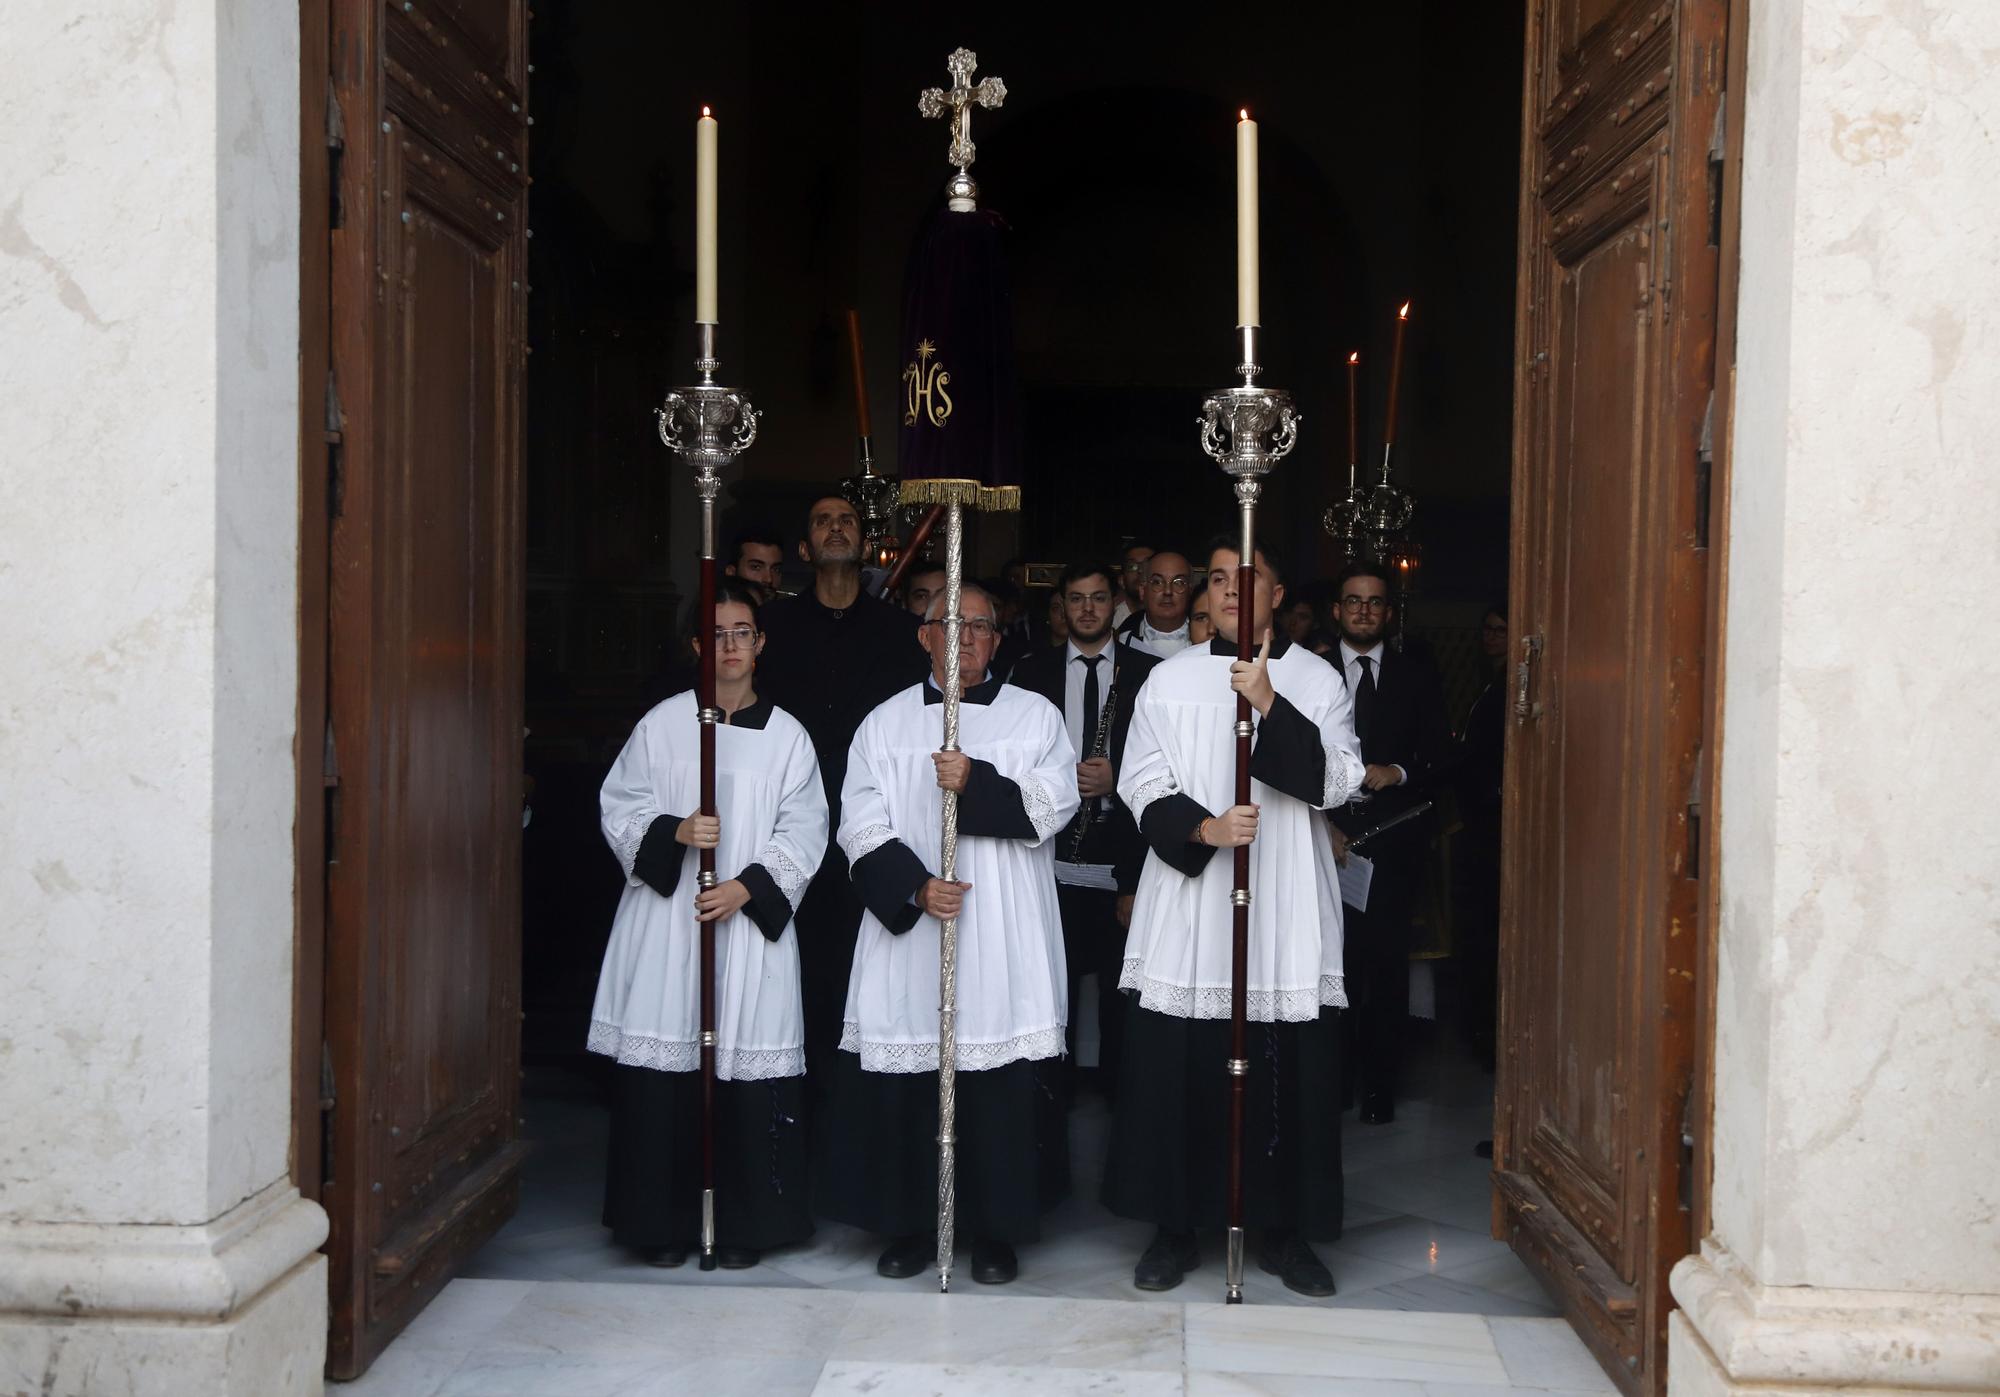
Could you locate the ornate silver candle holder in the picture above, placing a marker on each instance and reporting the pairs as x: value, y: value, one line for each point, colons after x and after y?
x: 708, y: 426
x: 1248, y: 429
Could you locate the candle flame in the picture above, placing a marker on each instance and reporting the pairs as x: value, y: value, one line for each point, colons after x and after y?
x: 1404, y: 313
x: 1355, y: 357
x: 1243, y: 114
x: 705, y: 111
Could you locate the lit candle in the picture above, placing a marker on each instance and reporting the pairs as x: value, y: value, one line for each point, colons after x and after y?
x: 1396, y: 373
x: 1246, y: 221
x: 704, y: 218
x: 1353, y: 414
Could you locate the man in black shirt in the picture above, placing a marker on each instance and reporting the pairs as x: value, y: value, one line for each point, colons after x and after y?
x: 831, y: 656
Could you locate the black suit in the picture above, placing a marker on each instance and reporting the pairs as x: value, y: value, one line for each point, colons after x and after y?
x: 1403, y: 725
x: 1093, y: 942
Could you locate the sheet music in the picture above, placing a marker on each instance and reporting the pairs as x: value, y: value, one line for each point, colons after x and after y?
x: 1355, y: 876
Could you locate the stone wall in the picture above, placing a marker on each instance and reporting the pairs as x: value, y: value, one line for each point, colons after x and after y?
x: 150, y: 1239
x: 1857, y: 1124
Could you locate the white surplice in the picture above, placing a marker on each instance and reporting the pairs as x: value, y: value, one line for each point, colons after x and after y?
x: 1182, y: 741
x: 773, y: 812
x: 1012, y: 985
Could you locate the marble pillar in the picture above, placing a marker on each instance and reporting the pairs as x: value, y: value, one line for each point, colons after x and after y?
x: 1856, y: 1218
x: 151, y: 1241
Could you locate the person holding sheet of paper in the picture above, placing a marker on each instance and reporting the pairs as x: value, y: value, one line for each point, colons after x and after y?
x: 1399, y: 718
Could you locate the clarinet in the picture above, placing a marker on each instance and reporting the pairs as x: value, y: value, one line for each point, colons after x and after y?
x: 1100, y: 745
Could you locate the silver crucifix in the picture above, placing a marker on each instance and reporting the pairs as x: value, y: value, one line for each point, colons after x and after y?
x: 957, y: 102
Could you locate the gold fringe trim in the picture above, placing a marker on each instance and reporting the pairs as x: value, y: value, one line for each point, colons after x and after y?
x: 994, y: 499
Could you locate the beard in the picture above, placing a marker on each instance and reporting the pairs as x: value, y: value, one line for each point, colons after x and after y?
x: 843, y: 552
x: 1077, y: 632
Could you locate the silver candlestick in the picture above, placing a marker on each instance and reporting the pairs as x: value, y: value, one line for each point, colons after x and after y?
x: 708, y: 426
x: 1248, y: 430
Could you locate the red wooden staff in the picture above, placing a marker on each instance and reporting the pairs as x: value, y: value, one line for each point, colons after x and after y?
x: 710, y: 715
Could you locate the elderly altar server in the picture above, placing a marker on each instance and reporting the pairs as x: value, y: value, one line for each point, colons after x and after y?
x: 1169, y: 1143
x: 1016, y: 781
x: 769, y: 835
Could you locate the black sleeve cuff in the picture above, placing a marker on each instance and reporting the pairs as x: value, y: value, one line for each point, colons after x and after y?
x: 1288, y: 756
x: 888, y: 879
x: 658, y: 862
x: 991, y: 805
x: 1169, y: 825
x: 768, y: 906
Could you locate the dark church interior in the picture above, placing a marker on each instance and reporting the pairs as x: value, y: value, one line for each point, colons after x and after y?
x: 1389, y: 173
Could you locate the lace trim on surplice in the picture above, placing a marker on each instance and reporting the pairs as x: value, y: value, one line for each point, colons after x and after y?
x: 1210, y: 1002
x: 673, y: 1055
x: 972, y: 1057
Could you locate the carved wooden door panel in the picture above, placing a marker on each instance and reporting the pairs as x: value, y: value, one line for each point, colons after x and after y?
x: 424, y: 615
x: 1616, y: 335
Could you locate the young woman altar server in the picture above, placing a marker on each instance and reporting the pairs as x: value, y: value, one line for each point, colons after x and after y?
x: 768, y: 838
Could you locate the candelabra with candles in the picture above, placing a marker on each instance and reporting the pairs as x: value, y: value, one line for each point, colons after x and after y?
x: 1372, y: 522
x: 874, y: 497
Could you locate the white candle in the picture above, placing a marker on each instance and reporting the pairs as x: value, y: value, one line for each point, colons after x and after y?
x: 1246, y: 222
x: 704, y: 219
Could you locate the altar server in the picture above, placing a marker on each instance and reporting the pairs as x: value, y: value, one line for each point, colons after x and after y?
x: 769, y: 835
x: 1169, y: 1145
x: 1015, y: 775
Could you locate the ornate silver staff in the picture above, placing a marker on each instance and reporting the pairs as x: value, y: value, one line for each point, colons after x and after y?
x: 1248, y: 430
x: 954, y: 495
x: 708, y: 426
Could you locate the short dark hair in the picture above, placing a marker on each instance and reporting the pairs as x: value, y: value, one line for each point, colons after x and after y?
x: 1081, y: 568
x: 1361, y: 567
x: 1234, y: 543
x: 917, y: 570
x: 759, y: 535
x: 727, y: 589
x: 825, y: 495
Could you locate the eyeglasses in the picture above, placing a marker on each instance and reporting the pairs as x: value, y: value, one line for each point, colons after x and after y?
x: 1094, y: 598
x: 1168, y: 584
x: 977, y: 626
x: 1490, y: 629
x: 742, y: 637
x: 1353, y: 603
x: 1135, y: 567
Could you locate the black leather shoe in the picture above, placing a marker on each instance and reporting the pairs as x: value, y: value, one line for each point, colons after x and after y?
x: 669, y: 1256
x: 993, y: 1263
x: 1289, y: 1259
x: 1167, y: 1261
x: 737, y: 1258
x: 906, y: 1257
x: 1377, y: 1108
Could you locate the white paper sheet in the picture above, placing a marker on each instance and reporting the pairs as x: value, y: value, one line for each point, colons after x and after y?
x: 1355, y: 876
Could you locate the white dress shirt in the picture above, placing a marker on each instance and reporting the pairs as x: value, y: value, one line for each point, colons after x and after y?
x: 1076, y: 667
x: 1350, y: 664
x: 1165, y: 644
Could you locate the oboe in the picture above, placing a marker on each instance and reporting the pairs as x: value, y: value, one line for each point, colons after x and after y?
x: 1100, y: 745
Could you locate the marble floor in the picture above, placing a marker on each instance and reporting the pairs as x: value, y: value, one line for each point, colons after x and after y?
x: 1428, y: 1303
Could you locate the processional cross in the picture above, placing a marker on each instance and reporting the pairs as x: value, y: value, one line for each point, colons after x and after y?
x: 958, y: 101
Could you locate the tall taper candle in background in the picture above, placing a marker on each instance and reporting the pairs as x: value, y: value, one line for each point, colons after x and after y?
x: 1396, y: 374
x: 704, y: 218
x: 1247, y: 311
x: 1353, y: 416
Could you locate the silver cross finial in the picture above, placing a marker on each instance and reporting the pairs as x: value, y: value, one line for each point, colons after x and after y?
x: 958, y: 100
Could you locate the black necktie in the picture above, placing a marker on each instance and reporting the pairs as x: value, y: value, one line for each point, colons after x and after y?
x: 1089, y: 703
x: 1364, y: 697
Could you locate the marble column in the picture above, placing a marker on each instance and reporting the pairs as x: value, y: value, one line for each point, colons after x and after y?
x: 1856, y: 1219
x: 151, y: 1242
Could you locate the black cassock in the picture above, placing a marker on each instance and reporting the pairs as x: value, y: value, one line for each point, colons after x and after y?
x: 830, y: 669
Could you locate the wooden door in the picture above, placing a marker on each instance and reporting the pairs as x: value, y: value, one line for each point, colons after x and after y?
x: 427, y: 274
x: 1616, y: 333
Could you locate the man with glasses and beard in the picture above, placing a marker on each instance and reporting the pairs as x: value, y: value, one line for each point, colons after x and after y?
x: 1092, y: 681
x: 1399, y: 719
x: 1132, y: 579
x: 831, y: 655
x: 1161, y: 628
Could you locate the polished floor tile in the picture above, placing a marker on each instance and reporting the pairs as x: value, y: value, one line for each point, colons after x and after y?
x: 961, y: 1329
x: 1342, y: 1343
x: 852, y: 1379
x: 1546, y: 1353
